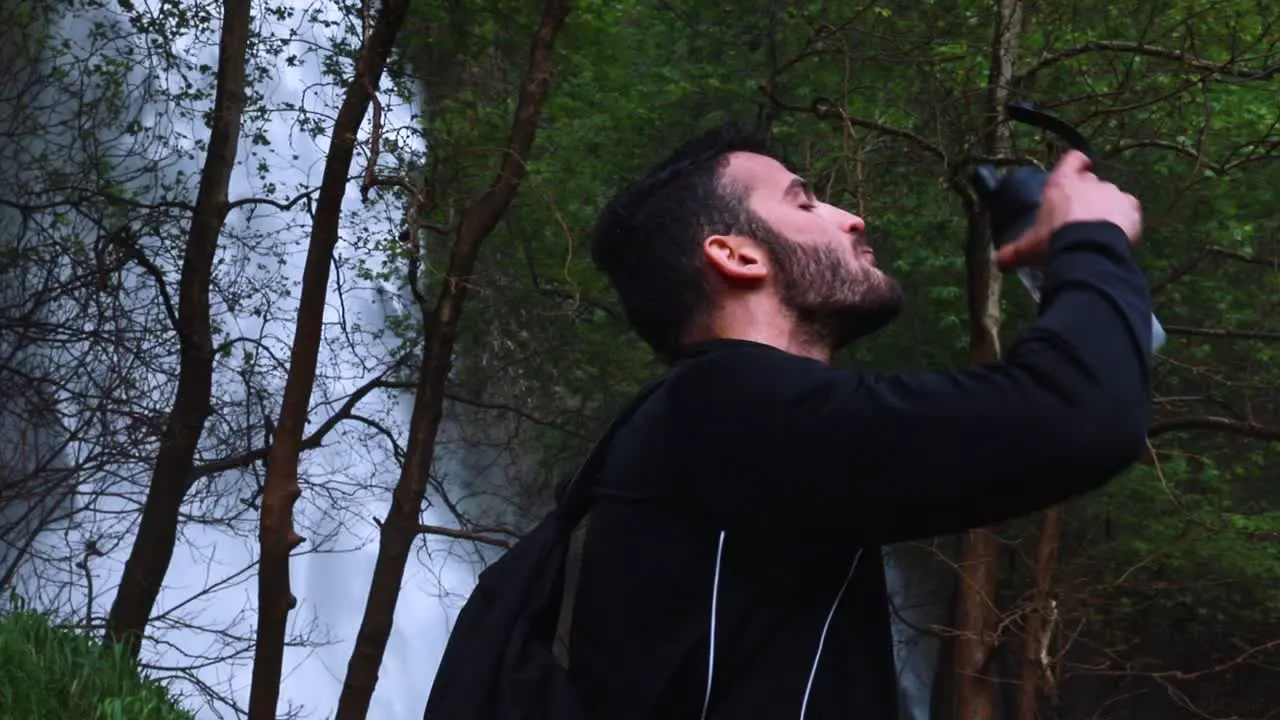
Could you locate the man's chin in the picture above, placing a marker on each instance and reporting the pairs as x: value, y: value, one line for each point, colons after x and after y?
x: 838, y: 328
x: 868, y: 321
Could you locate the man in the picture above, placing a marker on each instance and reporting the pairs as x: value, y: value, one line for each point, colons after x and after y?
x: 732, y: 566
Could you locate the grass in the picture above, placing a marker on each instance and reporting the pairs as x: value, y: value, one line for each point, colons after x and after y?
x: 49, y: 673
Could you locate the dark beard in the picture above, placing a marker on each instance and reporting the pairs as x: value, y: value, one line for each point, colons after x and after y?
x: 833, y: 303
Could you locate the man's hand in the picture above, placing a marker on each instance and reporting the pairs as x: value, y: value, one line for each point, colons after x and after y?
x: 1072, y: 194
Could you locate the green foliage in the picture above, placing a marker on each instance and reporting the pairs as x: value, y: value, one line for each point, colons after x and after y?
x: 1171, y: 95
x: 1196, y: 544
x: 47, y: 672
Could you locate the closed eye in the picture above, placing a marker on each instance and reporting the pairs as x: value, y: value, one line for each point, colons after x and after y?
x: 799, y: 188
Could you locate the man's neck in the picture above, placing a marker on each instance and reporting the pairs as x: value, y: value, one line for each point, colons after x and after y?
x: 760, y: 318
x: 789, y: 341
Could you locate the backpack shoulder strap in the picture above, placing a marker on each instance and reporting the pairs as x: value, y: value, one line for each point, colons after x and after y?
x: 573, y: 494
x: 573, y: 500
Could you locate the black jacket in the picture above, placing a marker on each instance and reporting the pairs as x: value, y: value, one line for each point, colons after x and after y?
x: 769, y: 481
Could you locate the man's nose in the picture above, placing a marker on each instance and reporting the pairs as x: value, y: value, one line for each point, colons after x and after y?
x: 852, y: 224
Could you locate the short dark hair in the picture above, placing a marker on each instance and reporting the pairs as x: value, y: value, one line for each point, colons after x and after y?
x: 648, y: 238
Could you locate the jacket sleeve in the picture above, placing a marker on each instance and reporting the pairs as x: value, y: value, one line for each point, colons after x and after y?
x: 782, y: 443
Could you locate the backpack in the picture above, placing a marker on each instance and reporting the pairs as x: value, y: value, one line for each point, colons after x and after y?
x: 501, y: 661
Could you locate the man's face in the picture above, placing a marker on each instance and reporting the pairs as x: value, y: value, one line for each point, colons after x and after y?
x: 824, y: 269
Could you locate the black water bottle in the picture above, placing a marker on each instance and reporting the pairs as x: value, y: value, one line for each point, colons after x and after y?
x: 1012, y: 200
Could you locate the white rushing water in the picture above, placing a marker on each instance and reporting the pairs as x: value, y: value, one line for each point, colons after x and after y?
x: 211, y: 582
x: 209, y: 593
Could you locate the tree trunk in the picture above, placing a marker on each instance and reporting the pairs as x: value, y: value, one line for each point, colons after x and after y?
x: 400, y: 528
x: 976, y: 615
x: 276, y: 534
x: 1039, y: 628
x: 152, y: 550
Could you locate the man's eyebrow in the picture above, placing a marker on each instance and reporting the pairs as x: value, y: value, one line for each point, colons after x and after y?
x: 801, y: 185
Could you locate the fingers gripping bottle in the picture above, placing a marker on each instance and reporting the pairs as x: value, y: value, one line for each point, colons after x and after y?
x: 1013, y: 200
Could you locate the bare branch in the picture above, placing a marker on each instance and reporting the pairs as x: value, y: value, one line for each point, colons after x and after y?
x: 287, y: 205
x: 480, y: 535
x: 1208, y: 250
x: 825, y: 109
x: 1243, y: 428
x: 1273, y: 263
x: 1187, y: 60
x: 1222, y: 333
x: 1197, y: 155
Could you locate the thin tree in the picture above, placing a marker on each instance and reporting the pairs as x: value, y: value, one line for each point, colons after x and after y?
x: 975, y: 613
x: 401, y: 526
x: 171, y: 479
x: 277, y: 535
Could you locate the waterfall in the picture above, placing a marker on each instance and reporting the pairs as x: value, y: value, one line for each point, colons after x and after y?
x: 152, y: 140
x: 52, y: 245
x: 921, y: 591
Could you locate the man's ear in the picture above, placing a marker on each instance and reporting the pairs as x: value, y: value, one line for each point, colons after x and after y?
x: 735, y: 257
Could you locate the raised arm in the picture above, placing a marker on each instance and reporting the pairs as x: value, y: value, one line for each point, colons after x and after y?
x: 786, y: 443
